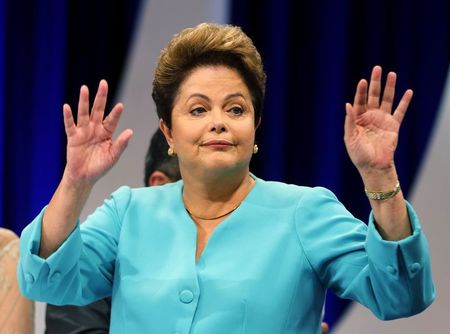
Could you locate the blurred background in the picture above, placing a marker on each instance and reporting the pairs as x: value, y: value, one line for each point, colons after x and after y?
x: 314, y: 54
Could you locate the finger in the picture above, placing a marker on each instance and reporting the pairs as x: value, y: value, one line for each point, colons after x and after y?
x: 374, y: 88
x: 349, y: 124
x: 389, y: 93
x: 121, y: 143
x: 69, y: 124
x: 112, y: 120
x: 360, y: 100
x: 402, y: 107
x: 83, y: 107
x: 98, y: 108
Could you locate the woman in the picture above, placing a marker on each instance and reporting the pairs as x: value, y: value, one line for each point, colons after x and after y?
x: 16, y: 312
x: 223, y: 251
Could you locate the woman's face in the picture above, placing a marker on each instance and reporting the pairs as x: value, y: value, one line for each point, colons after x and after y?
x: 212, y: 121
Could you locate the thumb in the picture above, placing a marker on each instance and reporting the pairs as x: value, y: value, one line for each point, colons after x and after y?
x: 121, y: 143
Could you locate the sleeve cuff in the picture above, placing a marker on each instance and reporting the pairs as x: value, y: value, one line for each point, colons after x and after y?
x: 57, y: 264
x: 386, y: 255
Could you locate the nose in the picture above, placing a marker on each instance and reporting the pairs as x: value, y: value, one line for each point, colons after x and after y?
x: 218, y: 127
x: 217, y: 122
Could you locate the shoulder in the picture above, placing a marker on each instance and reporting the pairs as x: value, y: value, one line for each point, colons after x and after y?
x: 156, y: 193
x: 126, y: 197
x: 290, y: 194
x: 6, y: 237
x: 9, y: 249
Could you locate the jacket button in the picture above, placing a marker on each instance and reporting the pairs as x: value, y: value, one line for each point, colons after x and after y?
x: 415, y: 267
x: 29, y: 278
x: 186, y: 296
x: 391, y: 270
x: 55, y: 277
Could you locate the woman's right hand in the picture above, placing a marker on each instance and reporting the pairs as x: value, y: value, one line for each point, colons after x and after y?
x: 91, y: 150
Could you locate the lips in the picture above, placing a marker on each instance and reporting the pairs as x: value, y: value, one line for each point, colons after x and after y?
x: 217, y: 143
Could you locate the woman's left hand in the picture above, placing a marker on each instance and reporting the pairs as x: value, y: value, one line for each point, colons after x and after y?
x: 371, y: 129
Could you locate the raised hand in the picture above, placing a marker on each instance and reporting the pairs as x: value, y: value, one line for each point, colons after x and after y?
x: 91, y: 150
x: 371, y: 129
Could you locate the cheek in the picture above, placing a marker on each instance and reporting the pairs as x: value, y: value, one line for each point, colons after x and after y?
x: 186, y: 136
x: 247, y: 134
x: 246, y: 142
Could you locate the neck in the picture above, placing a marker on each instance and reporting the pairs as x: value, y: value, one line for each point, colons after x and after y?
x: 215, y: 197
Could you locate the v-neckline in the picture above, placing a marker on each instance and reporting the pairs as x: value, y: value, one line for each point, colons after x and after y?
x: 223, y: 224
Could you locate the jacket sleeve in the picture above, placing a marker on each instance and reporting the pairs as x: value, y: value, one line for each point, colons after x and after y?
x: 392, y: 278
x: 81, y: 270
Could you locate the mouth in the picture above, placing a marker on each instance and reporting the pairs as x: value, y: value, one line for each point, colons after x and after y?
x: 217, y: 144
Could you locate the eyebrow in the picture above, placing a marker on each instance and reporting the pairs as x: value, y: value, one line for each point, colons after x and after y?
x: 203, y: 96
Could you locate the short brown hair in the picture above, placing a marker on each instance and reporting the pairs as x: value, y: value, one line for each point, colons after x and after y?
x: 202, y: 45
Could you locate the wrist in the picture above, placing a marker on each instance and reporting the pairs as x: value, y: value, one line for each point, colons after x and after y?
x: 383, y: 195
x: 74, y: 185
x: 379, y: 180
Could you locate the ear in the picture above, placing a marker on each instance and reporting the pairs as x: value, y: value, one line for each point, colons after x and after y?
x: 167, y: 132
x: 158, y: 178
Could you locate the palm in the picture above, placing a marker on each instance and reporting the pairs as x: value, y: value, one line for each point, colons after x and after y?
x: 91, y: 151
x: 371, y: 131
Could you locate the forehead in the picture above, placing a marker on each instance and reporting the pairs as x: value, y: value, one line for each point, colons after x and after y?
x: 214, y: 80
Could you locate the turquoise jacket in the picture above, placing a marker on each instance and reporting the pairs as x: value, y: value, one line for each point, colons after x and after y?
x: 264, y: 270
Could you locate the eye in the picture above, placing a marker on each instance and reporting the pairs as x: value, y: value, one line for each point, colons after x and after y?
x: 197, y: 111
x: 236, y: 111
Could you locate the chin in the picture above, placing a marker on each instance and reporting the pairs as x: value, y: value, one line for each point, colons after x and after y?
x: 225, y: 165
